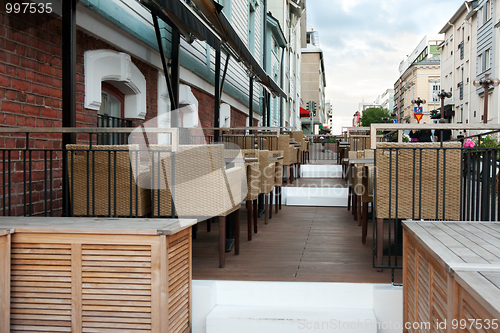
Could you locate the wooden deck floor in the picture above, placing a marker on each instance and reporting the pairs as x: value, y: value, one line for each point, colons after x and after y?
x: 306, y: 244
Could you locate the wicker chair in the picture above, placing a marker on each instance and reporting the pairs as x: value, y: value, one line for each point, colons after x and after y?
x: 430, y: 193
x: 251, y: 157
x: 242, y: 141
x: 203, y: 187
x: 279, y: 142
x: 102, y: 182
x: 267, y: 174
x: 277, y: 157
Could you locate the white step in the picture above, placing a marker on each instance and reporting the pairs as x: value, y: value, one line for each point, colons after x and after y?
x: 267, y: 319
x: 314, y: 196
x: 320, y: 171
x: 261, y: 307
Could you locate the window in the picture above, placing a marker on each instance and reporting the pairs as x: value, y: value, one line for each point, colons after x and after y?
x: 487, y: 8
x: 480, y: 63
x: 111, y: 114
x: 487, y: 63
x: 480, y: 17
x: 251, y: 26
x: 436, y: 87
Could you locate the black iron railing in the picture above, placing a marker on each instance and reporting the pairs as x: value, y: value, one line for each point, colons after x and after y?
x: 112, y: 122
x: 439, y: 183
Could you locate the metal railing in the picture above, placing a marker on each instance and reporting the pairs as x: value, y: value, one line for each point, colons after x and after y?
x: 112, y: 122
x: 39, y: 175
x: 435, y: 182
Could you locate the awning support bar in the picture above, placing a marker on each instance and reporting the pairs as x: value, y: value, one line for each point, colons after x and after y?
x: 173, y: 101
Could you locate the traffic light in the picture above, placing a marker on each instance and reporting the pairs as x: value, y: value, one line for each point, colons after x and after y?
x: 433, y: 113
x: 314, y: 108
x: 307, y: 106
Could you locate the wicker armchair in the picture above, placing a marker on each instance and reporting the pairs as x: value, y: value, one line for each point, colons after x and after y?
x: 102, y: 182
x: 203, y: 187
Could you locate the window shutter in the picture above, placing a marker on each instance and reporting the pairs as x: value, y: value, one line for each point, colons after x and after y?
x: 485, y: 12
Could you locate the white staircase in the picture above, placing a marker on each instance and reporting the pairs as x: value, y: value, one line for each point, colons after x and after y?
x: 320, y: 171
x: 289, y: 307
x: 317, y: 196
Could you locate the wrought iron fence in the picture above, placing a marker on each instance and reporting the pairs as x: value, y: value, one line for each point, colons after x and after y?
x: 433, y: 182
x: 42, y: 178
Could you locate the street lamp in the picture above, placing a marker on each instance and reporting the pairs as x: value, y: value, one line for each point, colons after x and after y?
x: 486, y: 83
x: 443, y: 94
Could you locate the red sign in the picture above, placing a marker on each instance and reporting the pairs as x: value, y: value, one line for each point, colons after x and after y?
x: 418, y: 116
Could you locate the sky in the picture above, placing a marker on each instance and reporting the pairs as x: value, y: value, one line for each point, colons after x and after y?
x: 363, y: 42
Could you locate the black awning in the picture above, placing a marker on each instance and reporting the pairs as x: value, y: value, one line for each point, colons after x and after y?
x: 176, y: 13
x: 233, y: 41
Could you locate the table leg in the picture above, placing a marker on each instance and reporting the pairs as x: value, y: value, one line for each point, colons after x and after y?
x: 249, y: 219
x: 237, y: 232
x: 359, y: 209
x: 209, y: 225
x: 266, y: 207
x: 271, y: 205
x: 355, y: 206
x: 281, y: 189
x: 349, y: 199
x: 364, y: 224
x: 222, y: 241
x: 380, y: 242
x: 276, y: 199
x: 255, y: 215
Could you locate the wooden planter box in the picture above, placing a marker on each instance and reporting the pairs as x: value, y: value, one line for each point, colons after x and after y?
x: 99, y: 275
x: 451, y: 276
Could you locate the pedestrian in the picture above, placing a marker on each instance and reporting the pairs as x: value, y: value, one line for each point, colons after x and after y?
x: 413, y: 136
x: 425, y: 135
x: 442, y: 135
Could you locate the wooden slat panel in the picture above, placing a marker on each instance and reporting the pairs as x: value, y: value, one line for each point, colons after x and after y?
x: 179, y: 284
x: 41, y: 288
x: 116, y: 288
x: 5, y: 253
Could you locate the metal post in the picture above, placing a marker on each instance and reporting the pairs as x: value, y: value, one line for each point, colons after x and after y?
x: 217, y: 94
x: 175, y: 68
x: 485, y: 116
x: 442, y: 105
x: 68, y: 87
x: 250, y: 102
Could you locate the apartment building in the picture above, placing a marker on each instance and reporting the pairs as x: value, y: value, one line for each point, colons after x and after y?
x: 313, y: 80
x: 419, y: 76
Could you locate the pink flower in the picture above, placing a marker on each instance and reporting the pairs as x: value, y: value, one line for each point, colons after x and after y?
x: 469, y: 144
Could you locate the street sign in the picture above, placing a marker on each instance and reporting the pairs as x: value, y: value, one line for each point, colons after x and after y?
x: 395, y: 121
x: 418, y: 109
x: 418, y: 116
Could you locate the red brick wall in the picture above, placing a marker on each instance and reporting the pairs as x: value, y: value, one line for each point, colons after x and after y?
x: 31, y: 95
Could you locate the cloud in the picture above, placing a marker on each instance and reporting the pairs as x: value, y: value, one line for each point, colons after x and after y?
x: 364, y: 41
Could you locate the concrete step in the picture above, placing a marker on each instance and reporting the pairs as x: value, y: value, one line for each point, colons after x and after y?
x: 320, y: 171
x: 284, y: 307
x: 314, y: 196
x: 267, y: 319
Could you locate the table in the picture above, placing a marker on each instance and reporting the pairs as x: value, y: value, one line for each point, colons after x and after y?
x: 78, y: 274
x: 451, y: 271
